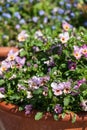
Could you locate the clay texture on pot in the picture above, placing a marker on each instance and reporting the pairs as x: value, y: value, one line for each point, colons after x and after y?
x: 10, y: 119
x: 5, y: 50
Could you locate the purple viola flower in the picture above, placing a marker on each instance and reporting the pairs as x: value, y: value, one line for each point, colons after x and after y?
x: 20, y: 61
x: 37, y: 80
x: 28, y: 109
x: 67, y: 87
x: 71, y: 65
x: 2, y: 90
x: 58, y: 109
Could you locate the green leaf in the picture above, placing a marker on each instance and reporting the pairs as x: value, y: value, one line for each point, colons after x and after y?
x: 74, y: 118
x: 38, y: 116
x: 23, y: 53
x: 2, y: 82
x: 56, y: 117
x: 66, y: 101
x: 63, y: 115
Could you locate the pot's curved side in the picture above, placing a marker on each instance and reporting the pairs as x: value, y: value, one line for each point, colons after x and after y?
x: 5, y: 50
x: 10, y: 119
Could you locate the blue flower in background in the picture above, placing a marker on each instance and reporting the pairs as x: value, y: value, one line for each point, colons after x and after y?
x: 85, y: 23
x: 0, y: 8
x: 61, y: 11
x: 22, y: 21
x: 6, y: 15
x: 61, y: 3
x: 41, y: 12
x: 31, y: 1
x: 68, y: 5
x: 17, y: 15
x: 72, y: 14
x: 35, y: 19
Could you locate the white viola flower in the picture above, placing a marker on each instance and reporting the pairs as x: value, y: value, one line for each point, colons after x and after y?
x: 64, y: 37
x: 29, y: 95
x: 57, y: 88
x: 2, y: 96
x: 4, y: 66
x: 84, y: 105
x: 22, y: 36
x: 77, y: 52
x: 12, y: 55
x: 38, y: 34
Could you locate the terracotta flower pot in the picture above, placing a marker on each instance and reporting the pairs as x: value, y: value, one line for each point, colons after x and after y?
x: 10, y: 119
x: 4, y: 51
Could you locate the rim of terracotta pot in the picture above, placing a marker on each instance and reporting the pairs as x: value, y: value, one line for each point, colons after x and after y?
x: 13, y: 109
x: 5, y: 50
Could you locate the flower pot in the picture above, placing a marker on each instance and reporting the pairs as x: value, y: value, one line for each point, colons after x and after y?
x: 11, y: 119
x: 4, y: 51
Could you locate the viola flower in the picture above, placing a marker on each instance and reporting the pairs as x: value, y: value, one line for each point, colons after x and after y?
x: 66, y: 26
x: 38, y: 34
x: 67, y: 87
x: 29, y: 94
x: 2, y: 90
x: 20, y: 61
x: 77, y: 52
x: 80, y: 82
x: 84, y: 50
x: 28, y: 109
x: 2, y: 95
x: 12, y: 55
x: 57, y: 88
x: 58, y: 109
x: 84, y: 105
x: 64, y: 37
x: 45, y: 91
x: 22, y: 36
x: 71, y: 65
x: 4, y: 66
x: 35, y: 82
x: 21, y: 87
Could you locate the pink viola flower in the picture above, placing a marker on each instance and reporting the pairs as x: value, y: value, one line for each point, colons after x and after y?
x: 66, y: 26
x: 12, y: 55
x: 77, y: 52
x: 84, y: 50
x: 80, y: 82
x: 64, y: 37
x: 57, y: 88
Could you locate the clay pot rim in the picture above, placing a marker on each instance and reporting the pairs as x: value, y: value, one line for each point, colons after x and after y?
x: 13, y: 109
